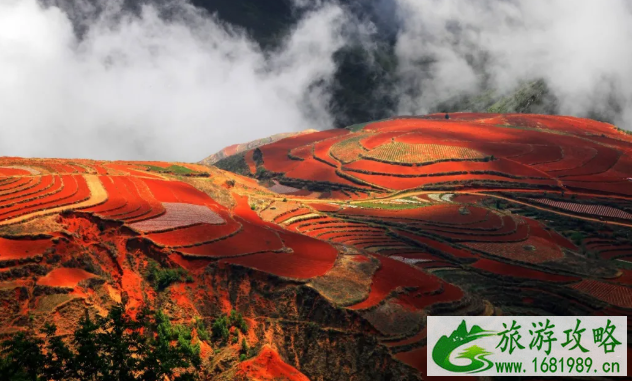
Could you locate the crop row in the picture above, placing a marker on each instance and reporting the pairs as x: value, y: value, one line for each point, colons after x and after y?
x: 613, y: 294
x: 349, y: 149
x: 178, y: 215
x: 532, y: 250
x: 596, y: 210
x: 70, y: 190
x: 397, y: 152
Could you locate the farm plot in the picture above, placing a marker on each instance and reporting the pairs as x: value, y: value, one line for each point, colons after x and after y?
x: 532, y: 250
x: 74, y: 189
x: 616, y: 295
x: 393, y: 274
x: 573, y: 156
x: 595, y: 210
x: 195, y: 234
x: 349, y: 149
x: 401, y: 153
x: 35, y: 190
x: 301, y: 153
x: 16, y: 249
x: 179, y: 215
x: 16, y: 184
x: 316, y: 171
x: 275, y: 155
x: 308, y: 258
x: 605, y: 159
x: 64, y: 277
x: 506, y: 269
x: 16, y: 170
x: 436, y: 245
x: 250, y: 239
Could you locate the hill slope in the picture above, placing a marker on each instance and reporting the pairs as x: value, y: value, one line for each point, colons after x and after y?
x: 350, y: 238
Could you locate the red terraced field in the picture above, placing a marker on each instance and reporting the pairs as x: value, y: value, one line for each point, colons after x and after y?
x: 349, y: 149
x: 376, y: 140
x: 41, y: 184
x: 12, y: 249
x: 507, y: 269
x: 436, y: 214
x: 325, y: 207
x: 532, y: 250
x: 314, y: 169
x: 596, y: 210
x: 605, y: 159
x: 309, y: 258
x: 275, y: 155
x: 74, y: 190
x: 401, y: 153
x: 620, y: 296
x: 382, y: 258
x: 16, y: 185
x: 251, y: 238
x: 442, y: 247
x: 301, y: 153
x: 64, y: 277
x: 393, y: 274
x: 291, y: 214
x: 6, y: 171
x: 189, y: 235
x: 573, y: 156
x: 116, y: 191
x: 541, y: 154
x: 179, y: 215
x: 129, y: 170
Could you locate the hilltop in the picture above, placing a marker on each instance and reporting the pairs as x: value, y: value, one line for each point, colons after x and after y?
x: 335, y: 245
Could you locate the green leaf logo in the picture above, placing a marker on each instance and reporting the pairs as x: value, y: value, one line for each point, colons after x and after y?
x: 459, y: 337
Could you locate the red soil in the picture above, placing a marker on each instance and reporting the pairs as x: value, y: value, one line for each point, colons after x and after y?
x: 128, y: 170
x: 520, y: 272
x: 541, y: 154
x: 74, y: 190
x: 252, y: 166
x: 325, y: 207
x: 19, y: 249
x: 393, y: 274
x: 616, y: 295
x: 302, y: 152
x: 251, y: 238
x: 39, y: 187
x: 275, y: 155
x: 314, y: 170
x: 377, y: 140
x: 310, y: 258
x: 443, y: 247
x: 195, y: 234
x: 64, y: 277
x: 268, y: 366
x: 13, y: 172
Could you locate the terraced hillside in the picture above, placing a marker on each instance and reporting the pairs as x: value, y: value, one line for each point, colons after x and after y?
x: 337, y: 247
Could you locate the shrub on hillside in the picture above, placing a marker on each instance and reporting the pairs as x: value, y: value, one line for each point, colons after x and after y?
x: 115, y: 347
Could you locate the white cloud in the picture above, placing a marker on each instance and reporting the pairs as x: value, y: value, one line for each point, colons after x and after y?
x: 580, y: 47
x: 142, y: 87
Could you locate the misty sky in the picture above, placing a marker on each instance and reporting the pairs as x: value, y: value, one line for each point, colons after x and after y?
x: 142, y: 87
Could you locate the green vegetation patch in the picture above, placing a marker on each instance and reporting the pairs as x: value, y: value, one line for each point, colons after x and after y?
x: 173, y: 169
x: 161, y: 278
x: 390, y: 205
x: 115, y: 347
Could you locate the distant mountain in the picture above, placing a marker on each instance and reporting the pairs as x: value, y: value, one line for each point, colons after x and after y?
x: 238, y: 148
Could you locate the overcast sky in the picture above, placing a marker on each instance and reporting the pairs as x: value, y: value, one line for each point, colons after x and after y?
x: 141, y: 87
